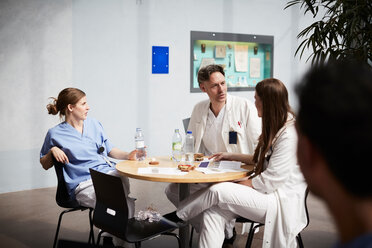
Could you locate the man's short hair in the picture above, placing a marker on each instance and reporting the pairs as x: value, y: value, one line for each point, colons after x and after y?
x: 205, y: 72
x: 335, y: 113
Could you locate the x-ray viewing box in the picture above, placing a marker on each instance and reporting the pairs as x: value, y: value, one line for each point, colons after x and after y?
x: 247, y: 59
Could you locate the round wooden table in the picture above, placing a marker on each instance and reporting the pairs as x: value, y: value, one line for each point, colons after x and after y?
x: 130, y: 169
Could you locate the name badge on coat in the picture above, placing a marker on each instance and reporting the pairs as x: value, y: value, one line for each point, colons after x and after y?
x: 233, y: 137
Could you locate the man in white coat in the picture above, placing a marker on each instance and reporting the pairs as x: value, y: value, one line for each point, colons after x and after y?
x: 223, y: 123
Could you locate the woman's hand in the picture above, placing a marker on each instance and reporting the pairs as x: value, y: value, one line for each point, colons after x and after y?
x: 119, y: 154
x: 244, y: 158
x: 132, y: 155
x: 59, y: 155
x: 139, y: 153
x: 221, y: 156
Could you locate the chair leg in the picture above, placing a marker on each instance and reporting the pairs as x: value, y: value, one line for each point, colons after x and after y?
x: 191, y: 235
x: 252, y: 230
x: 176, y: 236
x: 137, y: 244
x: 99, y: 237
x: 57, y: 231
x: 299, y: 240
x: 59, y: 224
x: 91, y: 233
x: 250, y: 236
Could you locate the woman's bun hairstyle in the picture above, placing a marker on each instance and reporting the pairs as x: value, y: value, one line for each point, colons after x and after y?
x: 65, y: 97
x: 52, y: 107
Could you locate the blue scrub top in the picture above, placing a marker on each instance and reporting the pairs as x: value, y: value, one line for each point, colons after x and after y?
x: 81, y: 150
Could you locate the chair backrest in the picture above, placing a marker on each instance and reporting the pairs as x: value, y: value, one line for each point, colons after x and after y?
x: 306, y: 209
x: 63, y: 198
x: 186, y: 124
x: 111, y: 211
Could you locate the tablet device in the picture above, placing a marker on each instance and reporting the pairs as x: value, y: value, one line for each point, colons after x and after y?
x: 204, y: 164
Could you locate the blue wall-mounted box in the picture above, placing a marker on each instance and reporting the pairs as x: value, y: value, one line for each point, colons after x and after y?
x: 160, y: 60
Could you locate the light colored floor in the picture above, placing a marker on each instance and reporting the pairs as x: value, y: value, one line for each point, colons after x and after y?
x: 29, y: 219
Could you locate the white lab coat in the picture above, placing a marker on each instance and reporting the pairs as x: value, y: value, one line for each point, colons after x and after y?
x: 240, y: 116
x: 281, y: 181
x: 283, y: 178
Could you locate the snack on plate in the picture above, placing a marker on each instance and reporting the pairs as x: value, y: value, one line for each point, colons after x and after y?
x: 186, y: 167
x: 198, y: 156
x: 154, y: 162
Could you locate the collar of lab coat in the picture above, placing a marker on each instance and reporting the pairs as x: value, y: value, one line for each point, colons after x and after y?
x: 228, y: 105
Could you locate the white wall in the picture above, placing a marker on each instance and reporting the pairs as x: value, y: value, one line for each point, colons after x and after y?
x: 35, y: 63
x: 104, y: 48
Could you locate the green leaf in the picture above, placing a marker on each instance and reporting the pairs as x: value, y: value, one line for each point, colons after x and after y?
x: 291, y: 3
x: 345, y: 29
x: 310, y: 6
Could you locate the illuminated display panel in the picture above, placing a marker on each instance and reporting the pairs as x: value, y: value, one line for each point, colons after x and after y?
x: 247, y: 59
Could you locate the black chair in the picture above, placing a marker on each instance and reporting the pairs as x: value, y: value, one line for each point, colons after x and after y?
x: 111, y: 213
x: 64, y: 200
x: 255, y: 225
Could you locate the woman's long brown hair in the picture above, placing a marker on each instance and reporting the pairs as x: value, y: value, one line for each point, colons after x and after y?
x: 275, y: 109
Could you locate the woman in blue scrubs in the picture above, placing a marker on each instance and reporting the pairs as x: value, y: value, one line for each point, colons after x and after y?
x: 80, y: 143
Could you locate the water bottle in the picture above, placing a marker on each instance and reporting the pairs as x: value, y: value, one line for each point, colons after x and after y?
x: 189, y: 148
x: 140, y: 144
x: 177, y: 146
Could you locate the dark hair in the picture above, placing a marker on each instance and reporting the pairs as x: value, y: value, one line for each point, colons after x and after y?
x: 205, y: 72
x: 275, y: 109
x: 65, y: 97
x: 335, y: 113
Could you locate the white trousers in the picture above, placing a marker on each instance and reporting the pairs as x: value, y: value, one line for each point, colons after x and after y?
x: 218, y: 205
x: 172, y: 193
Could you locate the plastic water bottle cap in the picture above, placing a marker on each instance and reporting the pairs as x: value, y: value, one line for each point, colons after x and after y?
x: 189, y: 132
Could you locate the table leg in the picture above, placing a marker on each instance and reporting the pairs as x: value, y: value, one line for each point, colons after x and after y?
x: 184, y: 191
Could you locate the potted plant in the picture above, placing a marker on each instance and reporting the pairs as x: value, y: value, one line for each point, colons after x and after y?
x: 345, y: 31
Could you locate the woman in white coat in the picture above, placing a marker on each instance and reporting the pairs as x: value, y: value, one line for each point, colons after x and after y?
x: 272, y: 194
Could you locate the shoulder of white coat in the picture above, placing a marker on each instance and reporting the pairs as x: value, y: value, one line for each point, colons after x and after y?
x: 202, y: 105
x: 200, y: 109
x: 288, y: 132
